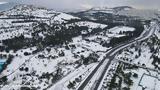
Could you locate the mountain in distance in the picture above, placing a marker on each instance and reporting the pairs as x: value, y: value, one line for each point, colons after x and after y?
x: 44, y: 49
x: 120, y: 10
x: 7, y: 5
x: 123, y: 8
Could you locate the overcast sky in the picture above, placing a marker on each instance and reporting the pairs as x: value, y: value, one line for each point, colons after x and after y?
x: 85, y: 4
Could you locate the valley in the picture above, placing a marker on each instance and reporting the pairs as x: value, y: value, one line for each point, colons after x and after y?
x: 43, y: 49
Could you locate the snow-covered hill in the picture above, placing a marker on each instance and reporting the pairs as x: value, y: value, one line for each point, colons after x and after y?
x: 145, y: 14
x: 122, y: 10
x: 6, y: 5
x: 22, y: 18
x: 42, y: 48
x: 29, y: 32
x: 38, y: 12
x: 109, y: 10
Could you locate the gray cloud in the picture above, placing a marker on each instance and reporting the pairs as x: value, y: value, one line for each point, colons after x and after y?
x: 83, y: 4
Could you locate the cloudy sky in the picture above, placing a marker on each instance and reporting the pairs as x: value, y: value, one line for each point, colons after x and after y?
x: 85, y: 4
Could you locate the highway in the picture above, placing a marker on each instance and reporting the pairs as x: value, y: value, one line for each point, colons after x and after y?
x: 110, y: 55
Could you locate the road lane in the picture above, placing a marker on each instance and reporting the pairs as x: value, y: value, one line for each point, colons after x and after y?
x: 110, y: 55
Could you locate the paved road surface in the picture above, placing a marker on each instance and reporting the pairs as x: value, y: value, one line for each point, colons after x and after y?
x: 111, y: 54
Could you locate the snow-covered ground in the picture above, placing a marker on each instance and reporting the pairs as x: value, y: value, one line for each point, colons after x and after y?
x: 91, y: 24
x: 150, y: 82
x: 83, y: 71
x: 145, y: 75
x: 62, y: 17
x: 26, y: 69
x: 54, y: 67
x: 118, y: 29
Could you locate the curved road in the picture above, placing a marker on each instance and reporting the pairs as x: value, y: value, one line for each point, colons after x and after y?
x: 111, y: 54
